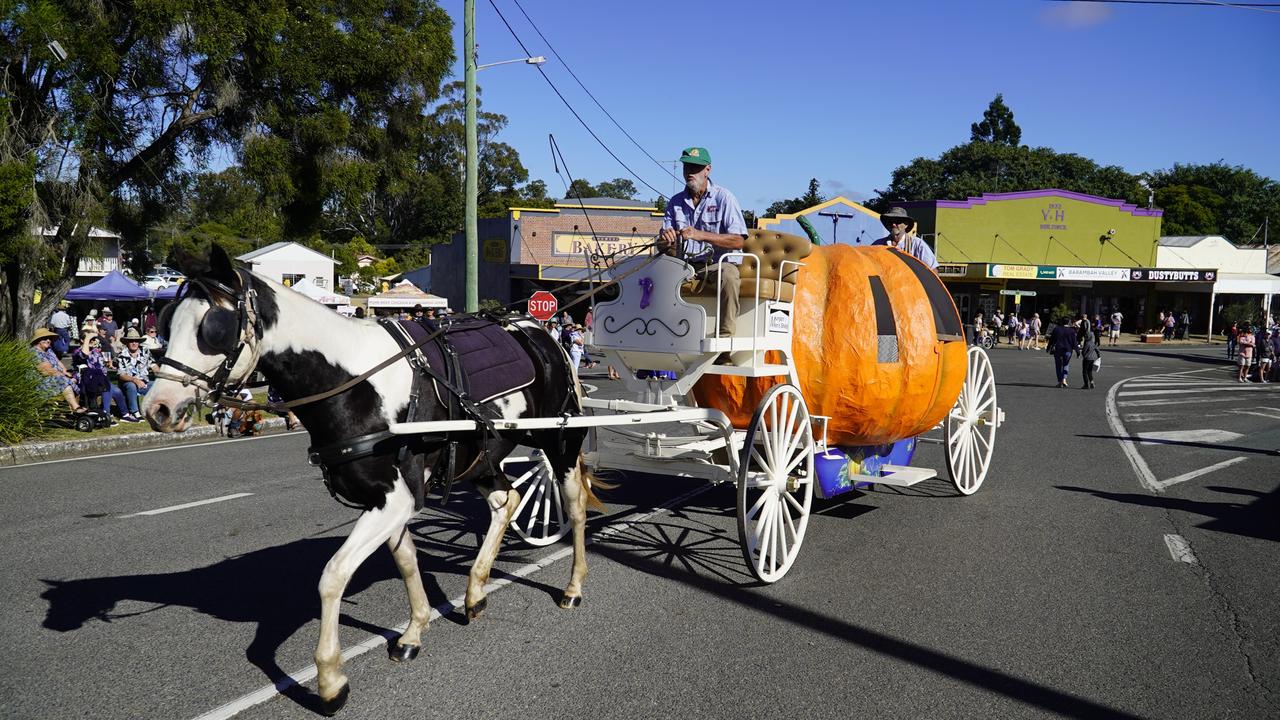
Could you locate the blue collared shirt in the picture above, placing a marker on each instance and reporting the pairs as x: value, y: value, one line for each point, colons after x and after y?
x: 916, y: 247
x: 719, y: 212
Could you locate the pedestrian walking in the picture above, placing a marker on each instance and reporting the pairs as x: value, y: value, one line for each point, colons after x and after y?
x: 1035, y: 329
x: 1266, y: 355
x: 1232, y: 333
x: 1089, y: 355
x: 1117, y: 318
x: 1062, y: 345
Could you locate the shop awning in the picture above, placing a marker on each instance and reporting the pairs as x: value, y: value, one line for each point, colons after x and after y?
x: 1247, y: 284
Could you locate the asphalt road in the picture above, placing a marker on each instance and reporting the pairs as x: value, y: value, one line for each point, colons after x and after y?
x: 1056, y: 590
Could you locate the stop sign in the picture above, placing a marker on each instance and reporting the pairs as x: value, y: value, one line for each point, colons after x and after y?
x: 543, y: 305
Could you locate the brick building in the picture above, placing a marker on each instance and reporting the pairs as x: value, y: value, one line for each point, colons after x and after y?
x: 542, y: 249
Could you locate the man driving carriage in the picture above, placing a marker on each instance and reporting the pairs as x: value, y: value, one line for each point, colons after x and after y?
x: 902, y: 235
x: 708, y: 218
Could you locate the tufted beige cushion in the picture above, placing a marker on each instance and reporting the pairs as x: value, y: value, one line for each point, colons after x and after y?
x: 772, y: 247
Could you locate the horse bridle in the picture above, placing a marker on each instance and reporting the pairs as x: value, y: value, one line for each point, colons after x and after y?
x: 247, y: 324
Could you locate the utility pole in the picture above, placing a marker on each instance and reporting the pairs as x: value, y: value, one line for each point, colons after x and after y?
x: 472, y: 190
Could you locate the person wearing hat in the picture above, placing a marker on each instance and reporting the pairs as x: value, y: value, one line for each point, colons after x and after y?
x: 134, y: 365
x: 902, y: 235
x: 57, y: 379
x: 708, y: 219
x: 61, y: 323
x: 108, y: 321
x: 92, y: 367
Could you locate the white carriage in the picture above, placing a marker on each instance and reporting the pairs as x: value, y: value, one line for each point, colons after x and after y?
x: 670, y: 337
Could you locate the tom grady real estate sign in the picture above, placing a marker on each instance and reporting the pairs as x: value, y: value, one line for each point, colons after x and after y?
x: 1099, y: 274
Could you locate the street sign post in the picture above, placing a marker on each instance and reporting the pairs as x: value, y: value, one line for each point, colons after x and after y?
x: 543, y: 305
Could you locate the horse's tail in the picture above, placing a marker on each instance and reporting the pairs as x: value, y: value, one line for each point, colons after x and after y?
x: 590, y: 481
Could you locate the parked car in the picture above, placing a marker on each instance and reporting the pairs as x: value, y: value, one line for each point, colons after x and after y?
x: 161, y: 279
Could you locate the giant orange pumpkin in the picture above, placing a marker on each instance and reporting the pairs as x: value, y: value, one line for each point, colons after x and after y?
x: 877, y: 343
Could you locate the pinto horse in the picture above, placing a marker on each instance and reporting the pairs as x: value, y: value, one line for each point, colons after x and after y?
x: 230, y: 322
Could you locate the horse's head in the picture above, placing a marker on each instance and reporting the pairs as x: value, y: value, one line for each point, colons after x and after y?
x: 213, y: 328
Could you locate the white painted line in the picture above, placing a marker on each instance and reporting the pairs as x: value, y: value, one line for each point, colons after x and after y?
x: 1205, y: 436
x: 1183, y: 384
x: 1197, y: 473
x: 1197, y: 401
x: 179, y: 446
x: 1180, y: 549
x: 308, y: 673
x: 1266, y: 412
x: 1238, y: 388
x: 1140, y: 468
x: 184, y: 506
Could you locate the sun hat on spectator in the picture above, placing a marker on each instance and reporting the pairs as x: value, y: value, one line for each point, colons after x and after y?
x: 132, y: 335
x: 41, y: 334
x: 106, y: 310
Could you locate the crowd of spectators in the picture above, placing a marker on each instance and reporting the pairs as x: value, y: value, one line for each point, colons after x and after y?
x: 98, y: 365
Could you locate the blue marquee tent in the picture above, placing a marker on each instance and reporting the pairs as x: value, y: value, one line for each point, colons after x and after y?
x: 115, y: 286
x: 168, y: 293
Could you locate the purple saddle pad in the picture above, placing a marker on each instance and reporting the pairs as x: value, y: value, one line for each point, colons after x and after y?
x: 492, y: 359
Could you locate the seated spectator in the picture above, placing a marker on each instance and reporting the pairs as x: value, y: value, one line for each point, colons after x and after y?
x: 107, y: 321
x: 134, y: 365
x: 91, y: 368
x: 57, y: 380
x: 151, y: 342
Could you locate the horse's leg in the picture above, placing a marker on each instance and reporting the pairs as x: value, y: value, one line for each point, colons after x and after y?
x: 503, y: 500
x: 373, y: 528
x: 406, y: 555
x: 574, y: 489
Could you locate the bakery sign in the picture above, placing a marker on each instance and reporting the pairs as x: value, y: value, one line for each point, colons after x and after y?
x: 1172, y: 275
x: 572, y: 243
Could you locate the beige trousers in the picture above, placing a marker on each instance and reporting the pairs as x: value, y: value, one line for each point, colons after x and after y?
x: 730, y: 283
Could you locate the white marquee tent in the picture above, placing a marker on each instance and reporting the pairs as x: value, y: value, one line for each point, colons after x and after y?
x: 319, y: 294
x: 405, y: 295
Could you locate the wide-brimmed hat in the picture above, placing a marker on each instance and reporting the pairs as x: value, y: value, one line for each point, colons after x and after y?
x: 106, y: 310
x: 132, y: 335
x: 41, y: 334
x: 896, y: 213
x: 695, y: 156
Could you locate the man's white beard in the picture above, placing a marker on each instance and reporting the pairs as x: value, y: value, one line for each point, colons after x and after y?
x: 694, y: 187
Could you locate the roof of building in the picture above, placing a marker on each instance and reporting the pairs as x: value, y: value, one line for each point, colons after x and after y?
x: 273, y: 247
x: 1182, y: 240
x: 606, y: 201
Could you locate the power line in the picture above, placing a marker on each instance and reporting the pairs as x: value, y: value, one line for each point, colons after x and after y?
x: 588, y: 92
x: 593, y: 134
x: 1260, y: 7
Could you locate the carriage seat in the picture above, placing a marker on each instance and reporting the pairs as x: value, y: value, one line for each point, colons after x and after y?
x: 772, y: 247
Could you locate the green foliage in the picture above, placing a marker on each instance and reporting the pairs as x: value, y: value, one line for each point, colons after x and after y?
x: 811, y: 197
x: 492, y: 306
x: 620, y: 188
x: 23, y: 408
x: 1216, y: 199
x: 1245, y: 313
x: 997, y: 125
x: 981, y: 167
x: 17, y: 194
x: 1061, y: 314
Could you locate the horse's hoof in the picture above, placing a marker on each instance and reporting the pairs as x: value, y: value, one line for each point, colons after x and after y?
x: 570, y: 601
x: 402, y: 653
x: 474, y: 611
x: 331, y: 707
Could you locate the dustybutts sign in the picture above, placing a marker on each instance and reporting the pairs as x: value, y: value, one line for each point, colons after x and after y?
x: 1172, y: 275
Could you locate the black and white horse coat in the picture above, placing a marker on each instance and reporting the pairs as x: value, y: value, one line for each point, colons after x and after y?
x: 303, y: 348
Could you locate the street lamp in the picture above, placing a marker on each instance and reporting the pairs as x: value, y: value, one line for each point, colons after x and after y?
x: 471, y: 295
x: 538, y: 60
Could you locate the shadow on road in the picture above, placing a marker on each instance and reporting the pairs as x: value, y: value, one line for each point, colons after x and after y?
x: 1256, y: 519
x: 657, y: 561
x: 1185, y: 354
x: 1182, y: 443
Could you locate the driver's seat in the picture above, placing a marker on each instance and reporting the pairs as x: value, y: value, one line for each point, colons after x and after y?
x: 772, y: 247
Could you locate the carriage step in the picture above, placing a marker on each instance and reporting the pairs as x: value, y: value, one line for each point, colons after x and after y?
x: 903, y: 476
x: 763, y: 370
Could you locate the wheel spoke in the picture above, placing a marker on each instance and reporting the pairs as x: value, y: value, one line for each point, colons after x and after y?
x: 755, y: 508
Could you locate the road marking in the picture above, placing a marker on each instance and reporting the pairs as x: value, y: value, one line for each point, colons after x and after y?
x: 1149, y: 403
x: 308, y: 673
x: 1180, y: 549
x: 1237, y: 388
x: 1140, y: 468
x: 1266, y: 412
x: 179, y: 446
x: 1196, y: 384
x: 184, y: 506
x: 1205, y: 436
x: 1197, y: 473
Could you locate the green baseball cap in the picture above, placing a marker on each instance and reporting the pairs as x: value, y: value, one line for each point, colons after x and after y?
x: 696, y: 156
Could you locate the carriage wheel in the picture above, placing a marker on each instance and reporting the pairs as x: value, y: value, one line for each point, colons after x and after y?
x: 970, y: 432
x: 775, y: 483
x: 539, y: 518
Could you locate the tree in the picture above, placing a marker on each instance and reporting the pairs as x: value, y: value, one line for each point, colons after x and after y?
x: 810, y: 198
x: 1215, y: 199
x: 114, y: 113
x: 997, y: 125
x: 981, y: 167
x: 620, y: 188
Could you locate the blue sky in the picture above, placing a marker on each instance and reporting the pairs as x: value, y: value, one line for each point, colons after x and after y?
x: 847, y: 91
